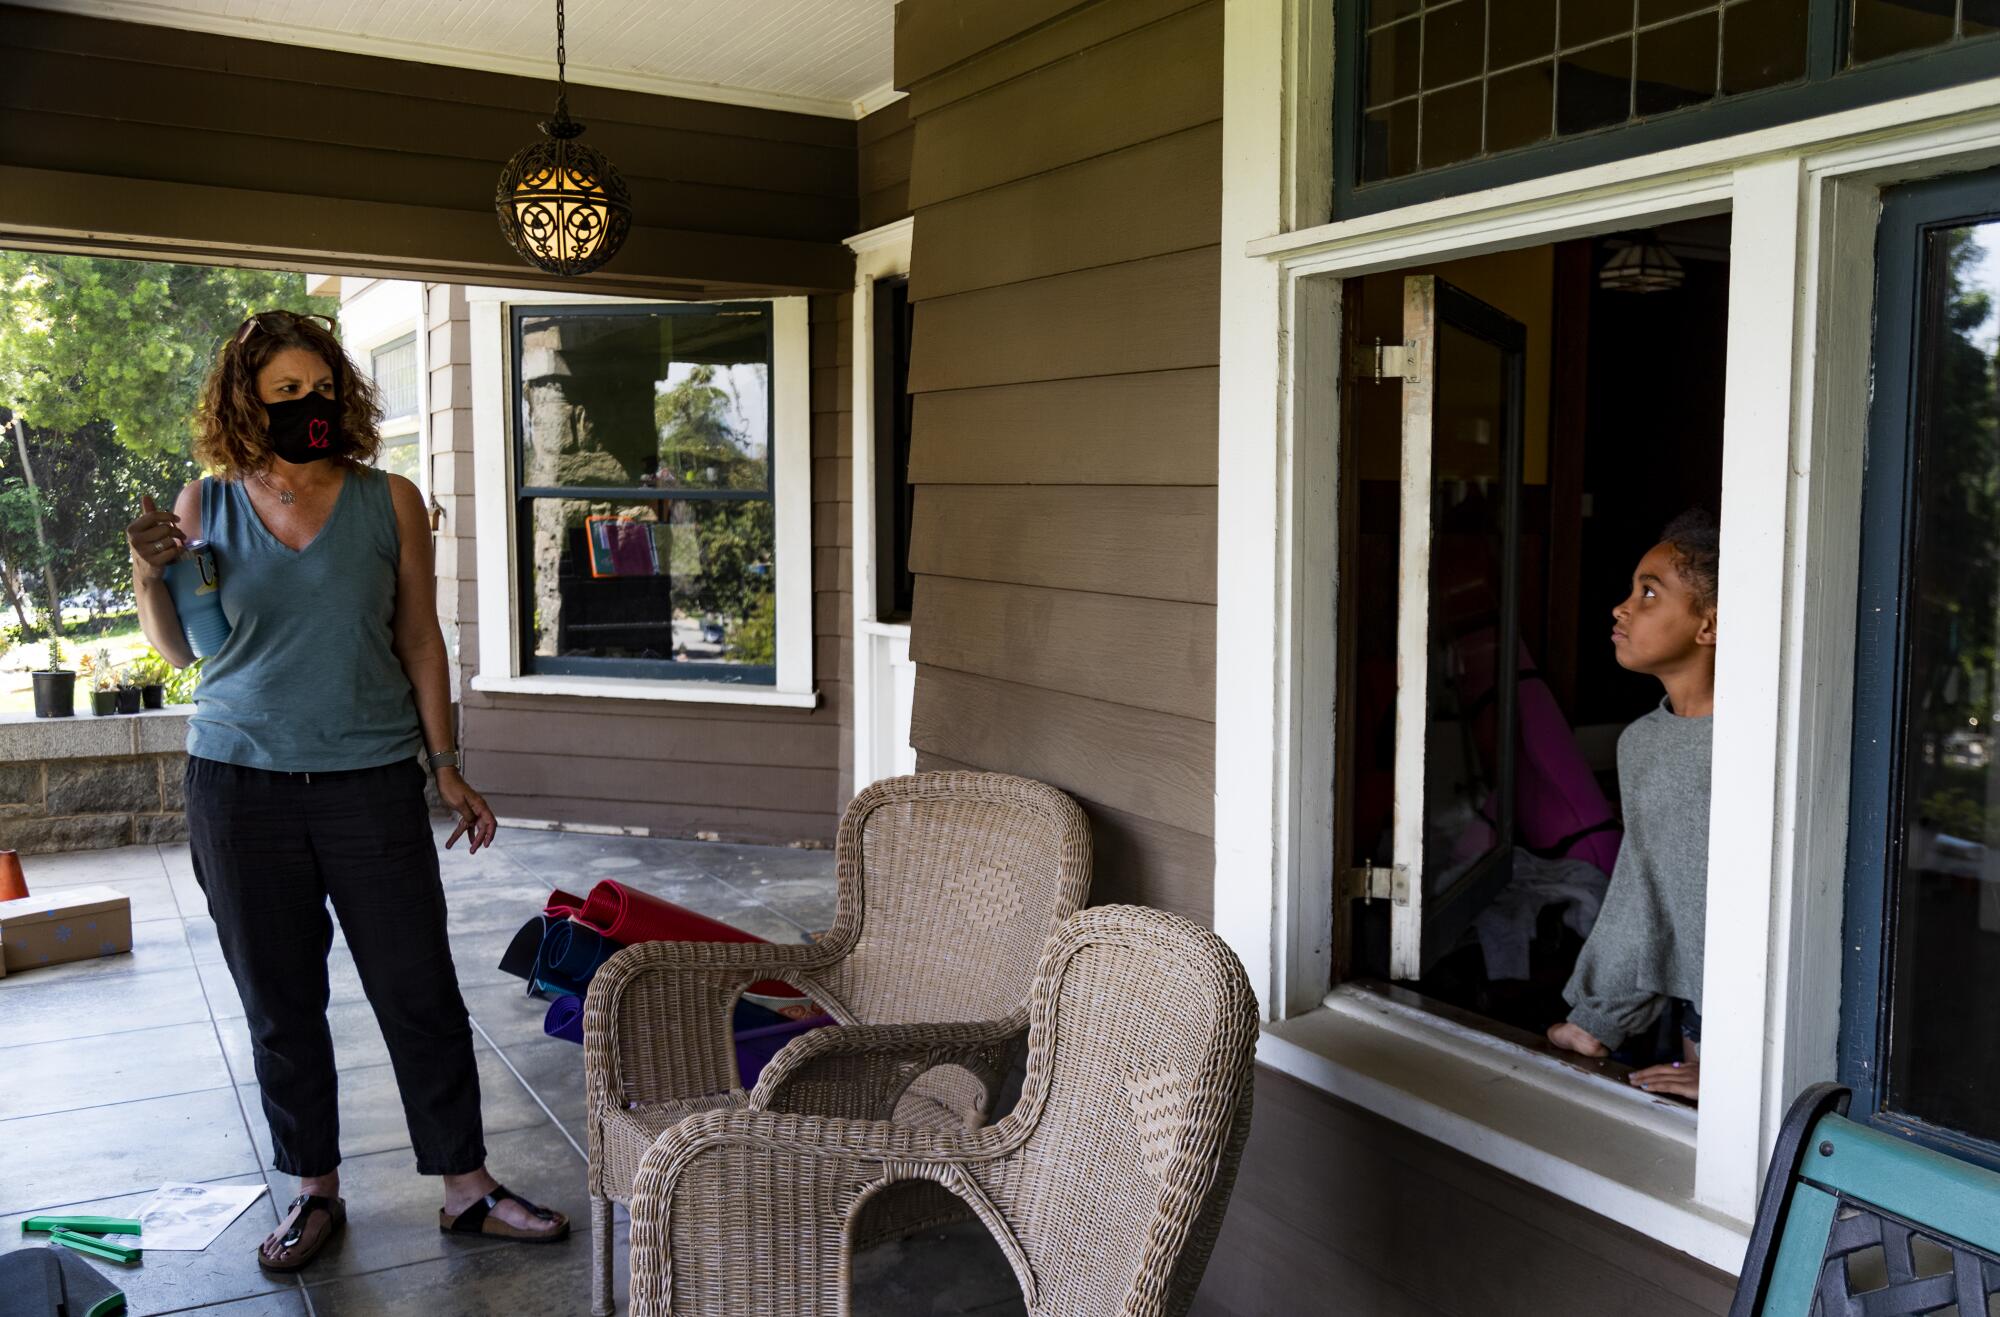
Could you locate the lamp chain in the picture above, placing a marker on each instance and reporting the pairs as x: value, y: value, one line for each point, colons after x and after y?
x: 562, y: 56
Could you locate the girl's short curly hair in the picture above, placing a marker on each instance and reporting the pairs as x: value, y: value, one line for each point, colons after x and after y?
x: 230, y: 422
x: 1696, y: 540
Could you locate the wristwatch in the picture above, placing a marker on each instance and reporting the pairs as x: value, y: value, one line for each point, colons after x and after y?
x: 442, y: 759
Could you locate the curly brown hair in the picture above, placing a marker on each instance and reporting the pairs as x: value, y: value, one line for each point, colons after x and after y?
x: 230, y: 423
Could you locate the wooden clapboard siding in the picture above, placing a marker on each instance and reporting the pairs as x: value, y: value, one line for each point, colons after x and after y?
x: 529, y: 771
x: 1158, y: 79
x: 1066, y: 177
x: 1154, y: 765
x: 833, y: 520
x: 1159, y: 313
x: 882, y: 146
x: 166, y: 142
x: 1145, y: 429
x: 1368, y: 1217
x: 1145, y: 653
x: 1154, y: 542
x: 1098, y: 212
x: 1083, y: 26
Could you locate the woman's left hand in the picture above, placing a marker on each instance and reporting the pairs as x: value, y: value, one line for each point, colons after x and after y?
x: 475, y: 819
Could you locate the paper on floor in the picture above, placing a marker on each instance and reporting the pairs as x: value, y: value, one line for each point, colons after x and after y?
x: 187, y: 1218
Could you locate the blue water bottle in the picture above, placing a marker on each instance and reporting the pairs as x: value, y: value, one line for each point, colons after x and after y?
x: 197, y: 589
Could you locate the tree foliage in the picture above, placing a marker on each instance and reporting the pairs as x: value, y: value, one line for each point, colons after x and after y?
x: 103, y: 360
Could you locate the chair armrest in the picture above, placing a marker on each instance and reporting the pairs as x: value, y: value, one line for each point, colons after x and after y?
x: 656, y: 1022
x: 860, y: 1071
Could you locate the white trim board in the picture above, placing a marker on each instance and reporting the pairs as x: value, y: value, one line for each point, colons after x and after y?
x: 587, y: 75
x: 879, y: 253
x: 1630, y: 1162
x: 791, y: 477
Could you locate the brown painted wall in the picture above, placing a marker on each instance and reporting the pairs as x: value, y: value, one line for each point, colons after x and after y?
x: 1067, y: 190
x: 1339, y: 1211
x: 883, y: 141
x: 179, y: 141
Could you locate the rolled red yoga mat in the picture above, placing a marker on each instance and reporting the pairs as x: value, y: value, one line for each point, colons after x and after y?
x: 627, y: 916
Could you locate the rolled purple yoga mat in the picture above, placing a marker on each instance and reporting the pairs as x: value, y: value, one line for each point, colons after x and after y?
x: 565, y: 1019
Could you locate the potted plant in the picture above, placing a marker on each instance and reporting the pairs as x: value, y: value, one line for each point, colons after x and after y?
x: 151, y: 672
x: 55, y: 685
x: 129, y: 698
x: 94, y: 670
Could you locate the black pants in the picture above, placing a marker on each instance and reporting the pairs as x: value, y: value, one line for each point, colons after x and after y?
x: 270, y: 849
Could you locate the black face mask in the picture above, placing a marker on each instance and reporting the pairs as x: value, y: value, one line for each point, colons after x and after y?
x: 307, y: 429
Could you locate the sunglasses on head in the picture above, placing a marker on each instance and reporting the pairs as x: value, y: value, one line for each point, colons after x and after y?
x: 272, y: 322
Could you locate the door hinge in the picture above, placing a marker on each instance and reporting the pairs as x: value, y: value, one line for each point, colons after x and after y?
x: 1374, y: 883
x: 1378, y: 361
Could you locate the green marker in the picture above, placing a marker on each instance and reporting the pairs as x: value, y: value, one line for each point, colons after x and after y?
x: 94, y: 1225
x: 102, y: 1248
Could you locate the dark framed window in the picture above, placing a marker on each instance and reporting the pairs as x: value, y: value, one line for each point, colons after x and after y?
x: 1920, y: 1041
x: 895, y: 499
x: 1439, y: 97
x: 643, y: 480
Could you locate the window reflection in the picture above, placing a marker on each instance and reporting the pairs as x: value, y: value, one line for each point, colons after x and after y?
x: 1944, y: 1049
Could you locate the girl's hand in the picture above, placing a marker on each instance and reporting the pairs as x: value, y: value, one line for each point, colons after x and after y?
x: 475, y: 819
x: 1681, y: 1079
x: 1575, y: 1038
x: 155, y: 539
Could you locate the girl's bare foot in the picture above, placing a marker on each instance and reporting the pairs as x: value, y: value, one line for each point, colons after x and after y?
x: 1575, y: 1038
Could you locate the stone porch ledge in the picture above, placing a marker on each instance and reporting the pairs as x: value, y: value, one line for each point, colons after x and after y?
x: 87, y: 783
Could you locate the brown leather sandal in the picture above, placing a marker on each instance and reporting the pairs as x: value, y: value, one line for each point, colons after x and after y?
x: 298, y: 1249
x: 478, y: 1219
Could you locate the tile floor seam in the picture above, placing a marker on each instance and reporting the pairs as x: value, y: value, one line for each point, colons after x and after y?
x: 762, y: 905
x: 122, y: 1102
x: 48, y: 1209
x: 501, y: 1052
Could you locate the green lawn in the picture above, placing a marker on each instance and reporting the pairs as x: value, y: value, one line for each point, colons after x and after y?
x: 121, y: 636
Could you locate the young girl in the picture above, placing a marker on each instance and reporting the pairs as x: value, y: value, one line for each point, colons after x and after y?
x: 1645, y: 950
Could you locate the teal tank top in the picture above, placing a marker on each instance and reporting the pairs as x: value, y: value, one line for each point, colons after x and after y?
x: 308, y: 681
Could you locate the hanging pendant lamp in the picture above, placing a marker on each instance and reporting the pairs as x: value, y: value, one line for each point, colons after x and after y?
x: 562, y: 205
x: 1642, y: 266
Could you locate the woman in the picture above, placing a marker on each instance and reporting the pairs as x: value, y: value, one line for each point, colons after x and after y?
x: 302, y: 778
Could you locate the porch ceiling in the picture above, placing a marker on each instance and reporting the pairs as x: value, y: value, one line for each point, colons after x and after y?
x: 825, y: 57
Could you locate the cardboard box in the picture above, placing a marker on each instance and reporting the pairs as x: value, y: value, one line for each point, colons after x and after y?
x: 64, y: 924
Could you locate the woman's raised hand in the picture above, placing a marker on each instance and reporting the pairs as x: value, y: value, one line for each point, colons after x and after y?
x: 155, y: 538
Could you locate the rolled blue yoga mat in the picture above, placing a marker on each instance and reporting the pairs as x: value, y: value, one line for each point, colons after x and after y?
x: 571, y: 955
x: 565, y: 1019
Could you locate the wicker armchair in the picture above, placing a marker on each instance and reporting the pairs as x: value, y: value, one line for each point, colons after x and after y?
x: 951, y: 885
x: 1105, y: 1186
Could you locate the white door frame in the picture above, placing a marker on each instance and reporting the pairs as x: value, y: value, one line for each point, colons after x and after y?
x: 881, y: 649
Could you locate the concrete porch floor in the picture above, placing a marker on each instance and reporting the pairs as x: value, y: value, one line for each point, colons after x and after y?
x: 117, y: 1075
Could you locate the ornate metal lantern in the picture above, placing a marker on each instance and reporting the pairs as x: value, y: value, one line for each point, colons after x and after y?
x: 561, y: 204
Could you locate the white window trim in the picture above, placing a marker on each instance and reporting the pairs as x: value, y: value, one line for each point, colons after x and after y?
x: 880, y: 253
x: 1803, y: 198
x: 791, y: 474
x: 364, y: 330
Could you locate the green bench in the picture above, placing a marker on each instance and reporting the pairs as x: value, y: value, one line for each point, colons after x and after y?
x: 1838, y: 1190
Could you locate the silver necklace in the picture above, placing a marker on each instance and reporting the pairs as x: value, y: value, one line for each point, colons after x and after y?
x: 285, y: 496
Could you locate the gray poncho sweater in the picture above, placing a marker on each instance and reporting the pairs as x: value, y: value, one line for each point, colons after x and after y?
x: 1646, y: 945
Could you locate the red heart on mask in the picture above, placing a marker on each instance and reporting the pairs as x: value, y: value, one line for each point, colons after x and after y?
x: 316, y: 434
